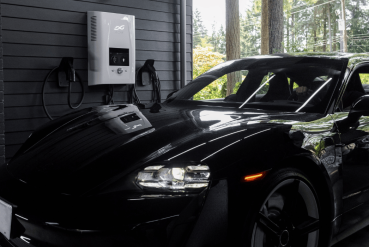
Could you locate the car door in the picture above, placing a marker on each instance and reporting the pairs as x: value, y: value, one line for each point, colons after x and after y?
x: 355, y: 153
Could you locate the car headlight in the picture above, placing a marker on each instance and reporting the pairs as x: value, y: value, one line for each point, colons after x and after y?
x: 174, y: 178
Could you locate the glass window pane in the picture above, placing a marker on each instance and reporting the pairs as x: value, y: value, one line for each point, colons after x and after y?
x: 217, y: 89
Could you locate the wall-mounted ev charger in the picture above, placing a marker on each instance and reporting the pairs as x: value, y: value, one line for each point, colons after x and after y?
x: 111, y: 48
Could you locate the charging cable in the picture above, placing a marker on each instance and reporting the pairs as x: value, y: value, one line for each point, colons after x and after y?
x: 109, y: 97
x: 146, y: 74
x: 66, y: 75
x: 132, y: 93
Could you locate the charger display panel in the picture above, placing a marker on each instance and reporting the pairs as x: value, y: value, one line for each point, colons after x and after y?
x: 118, y: 57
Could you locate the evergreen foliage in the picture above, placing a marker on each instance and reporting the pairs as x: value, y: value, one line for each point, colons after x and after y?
x: 306, y: 29
x: 199, y: 30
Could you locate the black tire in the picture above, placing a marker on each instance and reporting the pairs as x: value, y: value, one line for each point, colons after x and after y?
x: 288, y: 213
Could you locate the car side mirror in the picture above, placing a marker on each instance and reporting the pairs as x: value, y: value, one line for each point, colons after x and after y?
x: 359, y: 108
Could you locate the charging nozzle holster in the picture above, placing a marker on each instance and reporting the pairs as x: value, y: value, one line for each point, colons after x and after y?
x: 146, y: 75
x: 146, y: 72
x: 66, y: 72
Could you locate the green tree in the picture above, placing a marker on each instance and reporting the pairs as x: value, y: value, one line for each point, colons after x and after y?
x: 199, y: 30
x: 218, y: 40
x: 358, y: 25
x: 250, y: 31
x: 204, y: 59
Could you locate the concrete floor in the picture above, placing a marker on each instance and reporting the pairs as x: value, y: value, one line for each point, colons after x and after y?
x: 358, y: 239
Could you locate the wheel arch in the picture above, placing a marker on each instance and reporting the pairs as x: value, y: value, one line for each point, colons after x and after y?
x: 318, y: 173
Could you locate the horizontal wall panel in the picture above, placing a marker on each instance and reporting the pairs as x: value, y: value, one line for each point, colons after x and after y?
x: 10, y: 23
x: 40, y: 75
x: 52, y: 87
x: 127, y: 5
x: 80, y: 52
x: 17, y: 37
x: 154, y: 5
x: 78, y: 64
x: 25, y: 124
x: 17, y: 137
x: 36, y: 26
x: 25, y: 12
x: 188, y: 2
x: 10, y: 150
x: 62, y: 98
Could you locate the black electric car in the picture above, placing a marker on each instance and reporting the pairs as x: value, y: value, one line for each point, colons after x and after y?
x: 282, y: 161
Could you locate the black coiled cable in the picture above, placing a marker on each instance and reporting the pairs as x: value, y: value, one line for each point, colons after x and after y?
x: 69, y: 92
x: 109, y: 98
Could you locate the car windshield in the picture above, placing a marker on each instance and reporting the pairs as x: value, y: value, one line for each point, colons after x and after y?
x: 300, y: 84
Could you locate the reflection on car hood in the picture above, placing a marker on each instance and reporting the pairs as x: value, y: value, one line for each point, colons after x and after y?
x: 81, y: 150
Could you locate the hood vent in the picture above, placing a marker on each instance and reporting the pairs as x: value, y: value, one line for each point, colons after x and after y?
x: 93, y: 28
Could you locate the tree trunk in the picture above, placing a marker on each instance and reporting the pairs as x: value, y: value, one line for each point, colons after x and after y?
x: 232, y: 40
x: 264, y: 27
x: 306, y: 38
x: 288, y: 34
x: 293, y: 31
x: 329, y: 26
x: 314, y: 30
x: 276, y: 26
x: 335, y: 35
x: 344, y: 26
x: 325, y: 29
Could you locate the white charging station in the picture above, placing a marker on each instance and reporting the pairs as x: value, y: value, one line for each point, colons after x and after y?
x: 111, y: 48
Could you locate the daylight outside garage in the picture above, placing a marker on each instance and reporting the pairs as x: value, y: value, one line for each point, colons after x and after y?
x: 270, y: 27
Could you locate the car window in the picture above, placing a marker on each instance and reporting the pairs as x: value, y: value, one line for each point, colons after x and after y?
x: 364, y: 77
x: 356, y: 87
x: 218, y: 88
x: 289, y: 84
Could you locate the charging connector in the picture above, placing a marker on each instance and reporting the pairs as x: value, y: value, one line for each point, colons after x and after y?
x: 66, y: 75
x: 66, y: 72
x: 147, y: 75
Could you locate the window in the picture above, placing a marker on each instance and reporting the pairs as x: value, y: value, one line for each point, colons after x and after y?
x: 274, y: 83
x: 359, y: 81
x: 218, y: 88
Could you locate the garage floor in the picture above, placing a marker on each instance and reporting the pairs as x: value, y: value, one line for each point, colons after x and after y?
x: 359, y: 239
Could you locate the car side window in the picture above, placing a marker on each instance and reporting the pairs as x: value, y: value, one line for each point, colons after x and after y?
x: 364, y: 77
x: 355, y: 88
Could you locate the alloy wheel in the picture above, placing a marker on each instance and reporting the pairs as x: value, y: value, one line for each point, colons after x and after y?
x: 289, y: 217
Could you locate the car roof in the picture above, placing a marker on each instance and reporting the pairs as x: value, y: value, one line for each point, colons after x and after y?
x: 354, y: 58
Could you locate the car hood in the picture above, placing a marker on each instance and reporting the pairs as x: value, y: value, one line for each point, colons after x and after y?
x: 85, y: 149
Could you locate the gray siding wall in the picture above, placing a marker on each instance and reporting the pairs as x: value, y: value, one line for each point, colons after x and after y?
x: 2, y: 126
x: 36, y: 34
